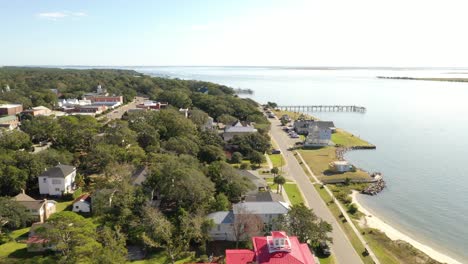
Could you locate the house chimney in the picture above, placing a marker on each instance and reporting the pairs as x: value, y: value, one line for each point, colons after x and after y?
x: 22, y: 190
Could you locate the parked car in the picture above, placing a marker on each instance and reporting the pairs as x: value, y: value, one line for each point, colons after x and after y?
x: 276, y: 151
x: 271, y: 115
x: 324, y: 249
x: 294, y: 135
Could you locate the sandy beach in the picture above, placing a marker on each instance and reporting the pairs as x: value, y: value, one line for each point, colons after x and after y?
x: 374, y: 222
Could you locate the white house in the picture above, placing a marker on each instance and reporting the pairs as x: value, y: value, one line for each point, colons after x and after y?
x: 40, y: 210
x: 224, y: 220
x: 318, y: 136
x: 237, y: 129
x: 340, y: 166
x: 82, y: 204
x: 57, y: 180
x: 223, y: 226
x: 303, y: 126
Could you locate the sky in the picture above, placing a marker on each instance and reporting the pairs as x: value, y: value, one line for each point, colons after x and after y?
x: 397, y: 33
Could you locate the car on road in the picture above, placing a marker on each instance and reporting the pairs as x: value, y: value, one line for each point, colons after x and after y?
x: 116, y: 111
x: 271, y: 115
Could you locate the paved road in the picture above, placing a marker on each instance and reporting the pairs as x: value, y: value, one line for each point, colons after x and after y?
x: 118, y: 112
x: 342, y: 249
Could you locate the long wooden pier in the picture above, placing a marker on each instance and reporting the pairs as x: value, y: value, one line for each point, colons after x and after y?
x: 323, y: 108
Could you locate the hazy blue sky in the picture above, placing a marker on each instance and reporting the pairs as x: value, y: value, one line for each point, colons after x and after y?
x: 240, y: 32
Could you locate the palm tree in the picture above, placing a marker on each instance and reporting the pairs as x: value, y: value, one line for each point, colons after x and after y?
x: 280, y: 181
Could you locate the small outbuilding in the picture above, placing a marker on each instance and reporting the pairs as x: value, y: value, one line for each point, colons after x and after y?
x: 82, y: 204
x: 341, y: 166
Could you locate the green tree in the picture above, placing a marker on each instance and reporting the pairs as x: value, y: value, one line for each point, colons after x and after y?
x: 280, y: 181
x: 220, y: 203
x: 73, y: 236
x: 41, y: 128
x: 274, y: 171
x: 211, y: 153
x: 177, y: 98
x: 256, y: 158
x: 113, y: 246
x: 303, y: 223
x: 236, y: 157
x: 12, y: 214
x: 159, y: 232
x: 14, y: 140
x: 228, y: 180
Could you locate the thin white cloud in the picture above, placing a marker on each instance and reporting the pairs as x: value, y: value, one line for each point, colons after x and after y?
x: 60, y: 15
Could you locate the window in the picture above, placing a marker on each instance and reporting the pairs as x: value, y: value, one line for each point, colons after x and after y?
x: 57, y: 189
x: 44, y: 180
x: 56, y: 182
x: 76, y: 206
x: 219, y: 227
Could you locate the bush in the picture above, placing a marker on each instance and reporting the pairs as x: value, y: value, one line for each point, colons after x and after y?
x: 244, y: 166
x: 352, y: 209
x: 236, y: 157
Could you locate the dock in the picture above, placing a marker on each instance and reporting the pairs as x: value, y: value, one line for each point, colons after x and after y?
x: 323, y: 108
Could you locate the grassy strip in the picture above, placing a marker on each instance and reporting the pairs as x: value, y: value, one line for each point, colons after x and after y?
x: 161, y: 258
x: 294, y: 195
x: 358, y: 246
x: 318, y: 160
x: 277, y: 160
x: 347, y: 139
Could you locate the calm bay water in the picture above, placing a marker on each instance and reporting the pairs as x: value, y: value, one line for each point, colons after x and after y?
x: 419, y: 128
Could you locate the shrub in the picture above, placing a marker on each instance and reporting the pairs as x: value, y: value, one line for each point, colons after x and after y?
x: 244, y: 166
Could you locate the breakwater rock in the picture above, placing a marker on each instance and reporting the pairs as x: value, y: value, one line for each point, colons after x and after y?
x: 375, y: 187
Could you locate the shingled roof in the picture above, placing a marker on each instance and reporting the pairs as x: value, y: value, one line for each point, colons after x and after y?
x: 59, y: 171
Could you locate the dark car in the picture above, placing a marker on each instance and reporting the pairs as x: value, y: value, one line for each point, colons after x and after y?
x: 276, y: 151
x: 324, y: 249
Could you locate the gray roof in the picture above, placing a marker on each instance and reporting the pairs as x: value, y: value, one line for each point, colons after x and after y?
x: 29, y: 202
x: 222, y: 217
x: 261, y: 208
x: 310, y: 123
x: 239, y: 126
x: 59, y: 171
x: 264, y: 197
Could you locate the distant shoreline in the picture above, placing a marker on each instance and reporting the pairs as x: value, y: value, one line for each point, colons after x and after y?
x: 425, y: 79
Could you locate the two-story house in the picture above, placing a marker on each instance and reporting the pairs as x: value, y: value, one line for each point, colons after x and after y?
x: 224, y: 221
x: 237, y: 129
x: 57, y: 181
x: 303, y: 126
x: 40, y: 210
x: 319, y: 135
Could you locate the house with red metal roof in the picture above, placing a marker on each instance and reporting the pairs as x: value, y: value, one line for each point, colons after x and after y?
x: 279, y: 248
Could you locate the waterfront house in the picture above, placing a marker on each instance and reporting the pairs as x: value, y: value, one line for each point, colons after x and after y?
x: 340, y: 166
x: 39, y: 210
x: 82, y: 204
x: 277, y: 248
x: 57, y: 180
x: 238, y: 128
x: 319, y: 135
x: 303, y: 126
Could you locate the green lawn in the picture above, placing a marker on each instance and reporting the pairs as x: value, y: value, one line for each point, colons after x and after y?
x: 65, y: 205
x: 346, y: 139
x: 294, y: 194
x: 277, y: 160
x: 319, y: 159
x: 13, y: 246
x: 161, y: 258
x: 327, y: 260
